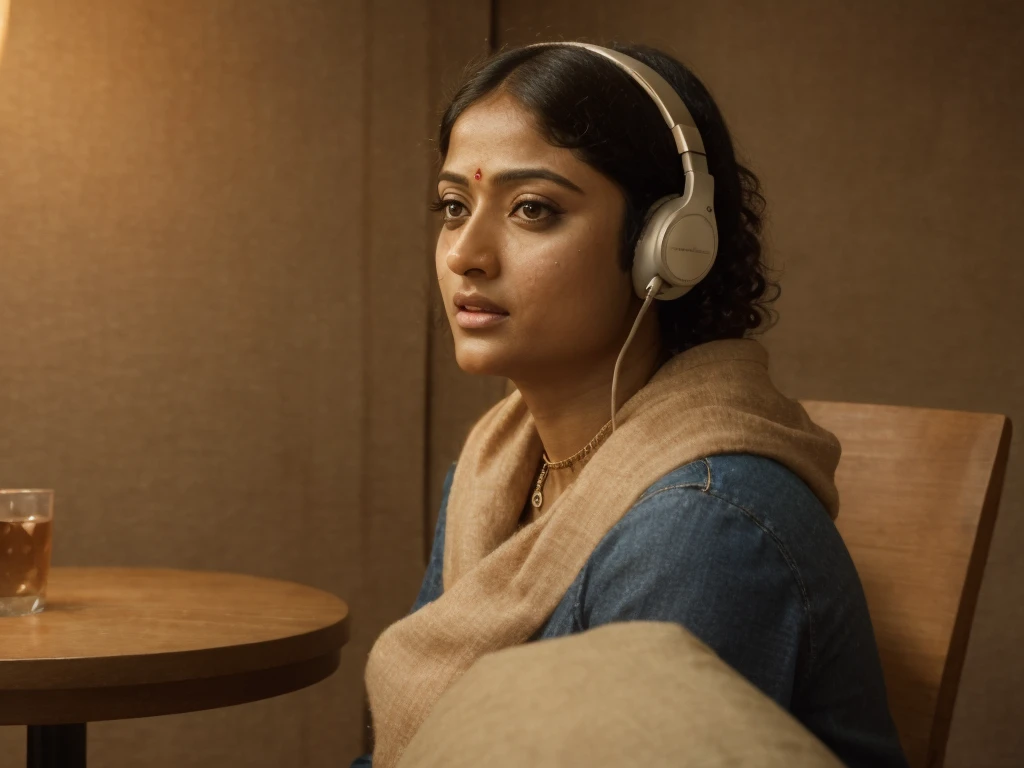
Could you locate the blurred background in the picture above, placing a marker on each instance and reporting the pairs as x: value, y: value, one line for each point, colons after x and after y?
x: 216, y: 313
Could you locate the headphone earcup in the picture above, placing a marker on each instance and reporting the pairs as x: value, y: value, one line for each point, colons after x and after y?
x: 678, y: 243
x: 689, y: 248
x: 646, y: 255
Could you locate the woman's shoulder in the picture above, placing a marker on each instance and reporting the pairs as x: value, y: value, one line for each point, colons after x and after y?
x: 724, y: 526
x: 725, y: 538
x: 736, y: 494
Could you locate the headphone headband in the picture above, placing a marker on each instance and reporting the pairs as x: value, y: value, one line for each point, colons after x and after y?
x: 673, y: 111
x: 677, y: 246
x: 679, y: 241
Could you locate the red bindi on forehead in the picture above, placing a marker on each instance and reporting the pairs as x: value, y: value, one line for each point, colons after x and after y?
x: 477, y: 175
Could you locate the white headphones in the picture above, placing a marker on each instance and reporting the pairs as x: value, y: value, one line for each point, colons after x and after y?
x: 679, y: 240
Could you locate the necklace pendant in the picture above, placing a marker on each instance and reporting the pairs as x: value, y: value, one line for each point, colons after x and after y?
x: 537, y: 500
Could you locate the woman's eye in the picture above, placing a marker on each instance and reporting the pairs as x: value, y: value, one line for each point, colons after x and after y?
x: 529, y: 211
x: 453, y: 209
x: 534, y: 211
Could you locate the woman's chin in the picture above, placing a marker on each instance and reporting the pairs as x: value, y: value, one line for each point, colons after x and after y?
x: 481, y: 359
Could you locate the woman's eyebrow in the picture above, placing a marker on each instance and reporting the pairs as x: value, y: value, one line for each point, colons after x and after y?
x: 515, y: 174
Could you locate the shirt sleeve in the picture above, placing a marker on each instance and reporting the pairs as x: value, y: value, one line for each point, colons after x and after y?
x: 686, y: 556
x: 433, y: 583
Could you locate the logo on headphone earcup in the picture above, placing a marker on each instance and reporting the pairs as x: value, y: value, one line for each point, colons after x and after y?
x: 679, y: 243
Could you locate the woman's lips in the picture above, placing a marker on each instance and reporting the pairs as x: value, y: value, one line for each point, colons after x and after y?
x: 473, y: 311
x: 468, y: 317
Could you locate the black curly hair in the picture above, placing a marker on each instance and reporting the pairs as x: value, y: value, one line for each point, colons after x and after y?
x: 587, y: 104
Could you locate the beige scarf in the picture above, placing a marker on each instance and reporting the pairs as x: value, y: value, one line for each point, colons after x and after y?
x: 501, y: 585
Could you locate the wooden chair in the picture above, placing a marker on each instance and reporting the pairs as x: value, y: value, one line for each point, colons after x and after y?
x: 919, y: 490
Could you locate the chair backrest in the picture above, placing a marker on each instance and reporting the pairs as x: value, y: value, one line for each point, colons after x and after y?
x: 918, y: 490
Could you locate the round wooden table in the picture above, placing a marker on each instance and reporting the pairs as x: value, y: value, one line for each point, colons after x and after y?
x: 118, y: 643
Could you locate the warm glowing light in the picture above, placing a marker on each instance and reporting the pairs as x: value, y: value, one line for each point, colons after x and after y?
x: 4, y: 4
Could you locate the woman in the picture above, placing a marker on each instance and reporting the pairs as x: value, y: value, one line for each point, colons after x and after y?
x: 707, y: 502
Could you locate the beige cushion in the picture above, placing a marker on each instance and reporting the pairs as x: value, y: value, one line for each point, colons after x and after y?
x: 638, y: 693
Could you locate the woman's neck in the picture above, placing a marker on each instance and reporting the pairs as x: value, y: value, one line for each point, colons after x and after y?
x: 570, y: 407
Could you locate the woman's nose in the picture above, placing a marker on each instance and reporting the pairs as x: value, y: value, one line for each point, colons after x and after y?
x: 474, y: 251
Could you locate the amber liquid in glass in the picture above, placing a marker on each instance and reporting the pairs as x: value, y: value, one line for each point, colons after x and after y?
x: 24, y: 565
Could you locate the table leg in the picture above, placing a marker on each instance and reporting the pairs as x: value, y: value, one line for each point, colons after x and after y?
x: 56, y: 746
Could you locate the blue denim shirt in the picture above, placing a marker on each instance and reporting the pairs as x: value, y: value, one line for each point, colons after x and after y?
x: 739, y: 551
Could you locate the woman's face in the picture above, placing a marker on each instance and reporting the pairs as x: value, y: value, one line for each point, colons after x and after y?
x: 528, y: 254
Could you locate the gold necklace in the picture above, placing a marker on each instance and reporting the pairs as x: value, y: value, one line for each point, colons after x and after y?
x: 538, y: 491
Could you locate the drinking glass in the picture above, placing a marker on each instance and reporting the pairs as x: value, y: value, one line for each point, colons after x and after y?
x: 26, y: 533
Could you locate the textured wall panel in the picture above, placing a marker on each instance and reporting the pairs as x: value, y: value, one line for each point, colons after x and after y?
x: 210, y: 216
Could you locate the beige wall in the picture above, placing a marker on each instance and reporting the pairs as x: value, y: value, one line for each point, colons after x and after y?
x: 213, y: 305
x: 888, y: 139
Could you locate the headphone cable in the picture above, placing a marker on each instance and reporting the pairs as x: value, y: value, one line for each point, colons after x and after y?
x: 653, y: 288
